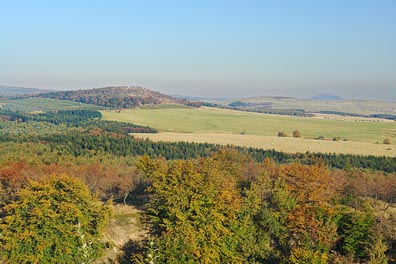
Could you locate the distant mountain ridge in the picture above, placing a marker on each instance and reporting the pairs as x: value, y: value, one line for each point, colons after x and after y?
x: 12, y: 90
x: 118, y: 97
x: 326, y: 97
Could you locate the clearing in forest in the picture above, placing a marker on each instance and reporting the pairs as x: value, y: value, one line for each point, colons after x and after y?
x: 223, y: 126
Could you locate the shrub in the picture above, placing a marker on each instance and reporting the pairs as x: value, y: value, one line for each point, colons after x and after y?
x: 282, y: 134
x: 305, y: 255
x: 387, y: 141
x: 296, y: 134
x: 53, y: 221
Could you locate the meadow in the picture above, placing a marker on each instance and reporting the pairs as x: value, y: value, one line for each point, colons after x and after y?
x: 223, y: 126
x: 360, y: 107
x: 45, y: 104
x: 284, y: 144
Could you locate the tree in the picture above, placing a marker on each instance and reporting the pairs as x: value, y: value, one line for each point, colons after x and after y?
x: 312, y: 221
x: 282, y: 134
x: 296, y: 134
x: 55, y: 220
x: 387, y: 141
x: 297, y: 215
x: 195, y: 207
x: 356, y: 234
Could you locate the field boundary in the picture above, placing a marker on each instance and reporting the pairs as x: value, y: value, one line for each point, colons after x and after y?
x: 283, y: 144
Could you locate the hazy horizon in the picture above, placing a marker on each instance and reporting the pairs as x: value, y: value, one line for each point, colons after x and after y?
x: 207, y: 48
x: 214, y: 97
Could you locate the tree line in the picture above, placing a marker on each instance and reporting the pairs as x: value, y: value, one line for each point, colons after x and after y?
x: 94, y: 142
x: 88, y: 119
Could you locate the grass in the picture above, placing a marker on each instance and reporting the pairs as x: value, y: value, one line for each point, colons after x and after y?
x: 124, y: 227
x: 289, y: 144
x: 125, y: 224
x: 213, y: 120
x: 45, y: 104
x: 163, y: 106
x: 126, y: 219
x: 348, y: 106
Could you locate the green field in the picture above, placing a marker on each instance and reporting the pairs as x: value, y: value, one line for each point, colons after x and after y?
x: 360, y: 107
x: 214, y: 120
x: 44, y: 104
x: 163, y: 106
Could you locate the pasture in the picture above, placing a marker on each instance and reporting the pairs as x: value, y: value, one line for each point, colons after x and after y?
x: 214, y: 120
x: 45, y: 104
x: 290, y: 145
x: 228, y: 127
x: 361, y: 107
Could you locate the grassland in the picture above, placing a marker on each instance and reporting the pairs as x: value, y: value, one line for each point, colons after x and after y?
x: 213, y: 120
x: 44, y: 104
x: 348, y: 106
x: 163, y: 106
x: 239, y: 128
x: 291, y: 145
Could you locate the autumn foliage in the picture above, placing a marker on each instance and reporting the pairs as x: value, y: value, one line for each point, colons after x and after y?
x: 228, y: 209
x: 53, y: 221
x: 202, y: 203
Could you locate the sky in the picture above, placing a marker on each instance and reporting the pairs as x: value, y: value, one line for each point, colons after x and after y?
x: 207, y: 48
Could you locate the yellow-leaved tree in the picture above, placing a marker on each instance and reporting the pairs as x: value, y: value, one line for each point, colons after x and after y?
x: 55, y: 220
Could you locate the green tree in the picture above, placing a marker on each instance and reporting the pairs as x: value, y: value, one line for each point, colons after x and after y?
x: 356, y: 232
x: 196, y: 208
x: 56, y: 220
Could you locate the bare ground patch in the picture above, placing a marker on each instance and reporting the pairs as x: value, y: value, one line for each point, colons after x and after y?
x: 125, y: 228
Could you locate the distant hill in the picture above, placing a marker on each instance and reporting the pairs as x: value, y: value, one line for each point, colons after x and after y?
x: 118, y: 97
x: 10, y: 90
x: 198, y: 98
x: 309, y: 107
x: 326, y: 97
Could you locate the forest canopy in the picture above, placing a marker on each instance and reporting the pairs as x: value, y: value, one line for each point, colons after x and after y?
x: 202, y: 203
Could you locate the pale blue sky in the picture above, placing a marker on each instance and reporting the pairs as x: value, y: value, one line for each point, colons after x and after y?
x: 221, y: 48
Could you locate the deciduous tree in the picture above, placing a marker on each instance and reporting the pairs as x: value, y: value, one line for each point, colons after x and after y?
x: 53, y: 221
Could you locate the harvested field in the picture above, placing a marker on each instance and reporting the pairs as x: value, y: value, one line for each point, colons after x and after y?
x: 289, y: 144
x: 215, y: 120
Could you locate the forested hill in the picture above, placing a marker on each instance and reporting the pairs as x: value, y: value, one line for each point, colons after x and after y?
x: 118, y: 97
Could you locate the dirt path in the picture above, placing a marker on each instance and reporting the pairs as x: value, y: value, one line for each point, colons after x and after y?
x: 125, y: 227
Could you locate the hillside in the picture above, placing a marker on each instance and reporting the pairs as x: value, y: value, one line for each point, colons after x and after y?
x: 10, y: 90
x: 326, y: 97
x: 117, y: 97
x: 32, y: 104
x: 299, y: 106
